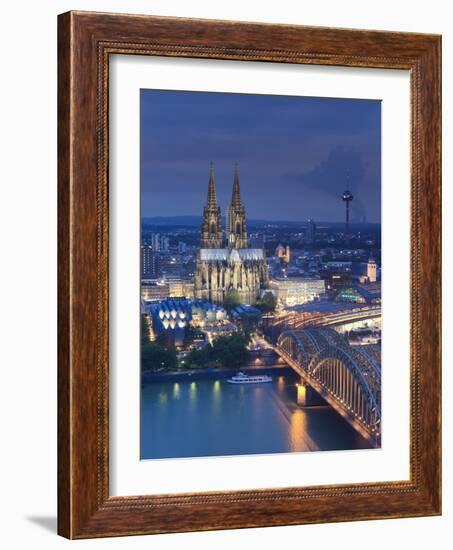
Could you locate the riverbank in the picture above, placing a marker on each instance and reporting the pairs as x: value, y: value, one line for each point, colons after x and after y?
x: 213, y: 374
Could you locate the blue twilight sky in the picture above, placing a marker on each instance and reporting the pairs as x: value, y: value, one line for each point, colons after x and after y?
x: 296, y: 155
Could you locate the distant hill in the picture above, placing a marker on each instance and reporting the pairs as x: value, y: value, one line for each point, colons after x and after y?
x: 195, y: 221
x: 172, y: 220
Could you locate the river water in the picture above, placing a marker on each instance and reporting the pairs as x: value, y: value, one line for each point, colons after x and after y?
x: 214, y: 418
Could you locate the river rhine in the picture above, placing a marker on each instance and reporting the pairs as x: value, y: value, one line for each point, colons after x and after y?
x: 214, y: 418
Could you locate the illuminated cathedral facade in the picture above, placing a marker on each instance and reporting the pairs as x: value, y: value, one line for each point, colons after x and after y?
x: 226, y: 263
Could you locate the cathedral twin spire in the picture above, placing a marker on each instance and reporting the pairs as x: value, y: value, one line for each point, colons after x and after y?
x: 236, y: 221
x: 211, y: 228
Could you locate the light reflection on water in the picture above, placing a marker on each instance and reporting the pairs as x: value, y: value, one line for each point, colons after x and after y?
x: 214, y: 418
x: 176, y: 390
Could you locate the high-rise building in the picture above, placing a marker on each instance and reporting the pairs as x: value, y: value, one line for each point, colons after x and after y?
x: 164, y: 244
x: 155, y: 242
x: 160, y: 243
x: 310, y: 233
x: 220, y: 269
x: 182, y: 247
x: 150, y: 264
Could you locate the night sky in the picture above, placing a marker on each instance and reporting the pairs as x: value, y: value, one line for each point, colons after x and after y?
x: 296, y: 155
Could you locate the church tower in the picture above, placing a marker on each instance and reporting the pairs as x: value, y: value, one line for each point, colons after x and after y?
x: 236, y: 222
x: 211, y: 229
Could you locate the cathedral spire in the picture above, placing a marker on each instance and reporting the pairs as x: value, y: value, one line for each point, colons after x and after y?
x: 211, y: 201
x: 211, y: 230
x: 236, y: 222
x: 236, y: 197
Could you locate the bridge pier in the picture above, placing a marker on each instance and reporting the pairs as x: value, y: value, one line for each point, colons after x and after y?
x: 307, y: 396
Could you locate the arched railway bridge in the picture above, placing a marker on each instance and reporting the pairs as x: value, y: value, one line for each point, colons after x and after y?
x: 347, y: 377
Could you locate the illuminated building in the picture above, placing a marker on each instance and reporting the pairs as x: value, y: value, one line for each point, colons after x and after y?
x: 369, y: 293
x: 150, y: 264
x: 173, y: 314
x: 296, y: 290
x: 153, y: 290
x: 234, y: 267
x: 179, y: 287
x: 372, y: 270
x: 335, y: 280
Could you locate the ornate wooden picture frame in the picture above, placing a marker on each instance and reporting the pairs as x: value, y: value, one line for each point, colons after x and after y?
x: 86, y: 41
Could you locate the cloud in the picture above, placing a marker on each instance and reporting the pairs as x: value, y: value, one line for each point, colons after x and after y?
x: 342, y: 169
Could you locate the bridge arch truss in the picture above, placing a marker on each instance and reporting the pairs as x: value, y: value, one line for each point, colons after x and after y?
x: 349, y: 377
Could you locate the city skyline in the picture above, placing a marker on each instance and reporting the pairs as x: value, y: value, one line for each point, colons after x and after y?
x: 260, y: 295
x: 314, y: 148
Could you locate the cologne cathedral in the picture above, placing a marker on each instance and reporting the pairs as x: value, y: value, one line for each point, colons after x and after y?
x: 227, y: 263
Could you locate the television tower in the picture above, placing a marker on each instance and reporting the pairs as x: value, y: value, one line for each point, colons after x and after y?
x: 347, y: 198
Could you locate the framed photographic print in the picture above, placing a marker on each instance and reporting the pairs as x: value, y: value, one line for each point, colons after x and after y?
x: 249, y: 275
